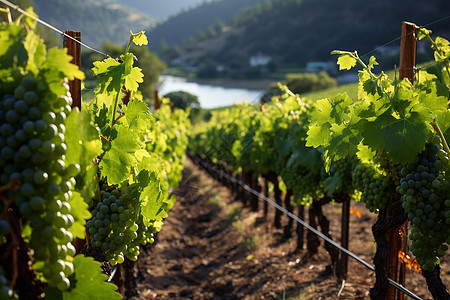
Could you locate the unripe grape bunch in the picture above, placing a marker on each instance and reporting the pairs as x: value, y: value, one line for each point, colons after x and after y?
x: 112, y: 227
x: 375, y: 187
x: 33, y: 148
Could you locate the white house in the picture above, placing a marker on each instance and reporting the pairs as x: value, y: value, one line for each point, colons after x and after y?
x: 259, y: 60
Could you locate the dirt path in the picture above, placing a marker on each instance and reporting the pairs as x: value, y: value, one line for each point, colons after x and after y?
x: 213, y: 248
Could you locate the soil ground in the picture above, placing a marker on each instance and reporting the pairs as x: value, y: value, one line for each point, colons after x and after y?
x: 211, y: 247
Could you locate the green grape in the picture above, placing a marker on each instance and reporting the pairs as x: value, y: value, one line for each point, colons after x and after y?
x: 342, y: 169
x: 303, y: 181
x: 28, y: 127
x: 144, y: 236
x: 376, y: 188
x: 423, y: 189
x: 112, y: 231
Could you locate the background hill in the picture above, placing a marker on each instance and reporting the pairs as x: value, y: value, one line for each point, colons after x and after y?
x: 187, y: 23
x: 98, y: 20
x: 162, y: 9
x: 293, y: 32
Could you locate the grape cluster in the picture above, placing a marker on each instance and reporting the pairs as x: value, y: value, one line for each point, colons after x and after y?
x: 302, y: 180
x: 375, y: 188
x: 145, y: 236
x: 32, y: 146
x: 112, y: 227
x: 6, y: 293
x: 343, y: 169
x: 424, y: 193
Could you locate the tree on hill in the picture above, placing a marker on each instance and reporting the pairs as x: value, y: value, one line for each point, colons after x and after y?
x: 184, y: 100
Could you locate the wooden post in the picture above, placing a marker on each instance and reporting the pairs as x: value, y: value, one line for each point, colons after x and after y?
x: 398, y: 236
x: 343, y: 261
x: 74, y: 50
x: 156, y: 100
x: 408, y: 50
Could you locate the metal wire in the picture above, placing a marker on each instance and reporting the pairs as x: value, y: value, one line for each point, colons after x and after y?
x: 112, y: 274
x: 309, y: 227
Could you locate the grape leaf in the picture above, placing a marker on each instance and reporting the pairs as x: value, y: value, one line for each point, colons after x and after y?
x: 100, y: 112
x: 138, y: 116
x: 434, y: 96
x: 80, y: 212
x: 36, y: 51
x: 139, y: 38
x: 401, y: 138
x: 90, y: 281
x: 58, y: 66
x: 12, y: 51
x: 444, y: 49
x: 318, y: 135
x: 58, y: 60
x: 365, y: 154
x: 372, y: 62
x: 105, y: 66
x: 118, y: 161
x: 133, y: 79
x: 346, y: 62
x: 334, y: 127
x: 332, y: 184
x: 403, y: 98
x: 152, y: 198
x: 344, y: 141
x: 30, y: 22
x: 83, y: 145
x: 112, y: 73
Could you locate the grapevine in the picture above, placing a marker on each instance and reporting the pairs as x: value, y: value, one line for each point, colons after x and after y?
x: 390, y: 130
x: 358, y: 147
x: 106, y: 170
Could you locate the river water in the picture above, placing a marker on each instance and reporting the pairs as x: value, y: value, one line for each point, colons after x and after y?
x: 209, y: 96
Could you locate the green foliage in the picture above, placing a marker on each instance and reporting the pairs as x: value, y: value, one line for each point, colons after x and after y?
x: 307, y: 82
x: 184, y: 101
x: 389, y: 116
x: 265, y: 139
x: 66, y: 154
x: 391, y: 129
x: 300, y: 83
x: 90, y: 282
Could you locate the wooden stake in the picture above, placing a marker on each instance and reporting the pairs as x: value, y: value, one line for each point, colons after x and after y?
x: 156, y: 100
x: 408, y: 50
x: 74, y: 50
x: 345, y: 227
x: 398, y: 236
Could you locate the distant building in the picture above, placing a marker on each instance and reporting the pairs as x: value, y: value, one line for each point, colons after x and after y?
x: 319, y: 66
x: 259, y: 60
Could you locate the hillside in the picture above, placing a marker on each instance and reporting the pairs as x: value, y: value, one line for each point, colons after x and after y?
x: 162, y: 9
x: 98, y: 20
x: 187, y: 23
x: 294, y: 32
